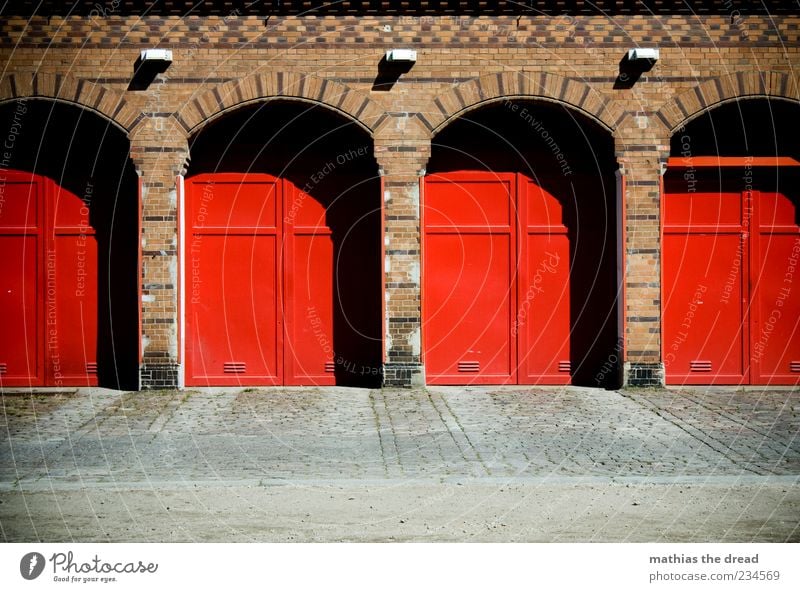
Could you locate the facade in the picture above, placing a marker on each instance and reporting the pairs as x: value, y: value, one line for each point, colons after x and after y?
x: 280, y: 204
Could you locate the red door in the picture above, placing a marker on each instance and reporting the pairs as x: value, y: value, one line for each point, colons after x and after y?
x: 48, y: 285
x: 233, y: 323
x: 21, y: 243
x: 72, y: 246
x: 729, y: 315
x: 543, y: 319
x: 259, y: 283
x: 470, y: 300
x: 309, y: 264
x: 496, y: 281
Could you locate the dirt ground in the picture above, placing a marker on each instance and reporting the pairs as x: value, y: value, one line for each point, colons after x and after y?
x: 488, y: 512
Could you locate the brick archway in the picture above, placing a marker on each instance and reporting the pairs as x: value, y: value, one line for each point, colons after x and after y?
x: 108, y: 103
x: 210, y: 104
x: 715, y: 91
x: 546, y: 86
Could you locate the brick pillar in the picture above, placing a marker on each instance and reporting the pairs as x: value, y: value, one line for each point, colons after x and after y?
x: 402, y: 158
x: 642, y: 150
x: 159, y: 151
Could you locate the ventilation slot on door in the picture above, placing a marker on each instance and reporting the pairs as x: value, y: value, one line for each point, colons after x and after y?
x: 91, y: 368
x: 235, y: 367
x: 469, y: 366
x: 330, y: 366
x: 794, y: 366
x: 700, y: 366
x: 564, y: 366
x: 3, y: 368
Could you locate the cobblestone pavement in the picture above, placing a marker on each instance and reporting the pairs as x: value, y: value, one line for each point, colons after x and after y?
x: 101, y: 440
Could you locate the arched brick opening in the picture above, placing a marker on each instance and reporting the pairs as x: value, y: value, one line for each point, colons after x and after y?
x: 106, y: 102
x: 543, y: 86
x: 521, y: 194
x: 210, y: 104
x: 283, y: 249
x: 731, y: 241
x: 691, y: 103
x: 69, y: 227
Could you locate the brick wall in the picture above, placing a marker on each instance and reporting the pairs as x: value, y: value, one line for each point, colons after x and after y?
x: 225, y: 60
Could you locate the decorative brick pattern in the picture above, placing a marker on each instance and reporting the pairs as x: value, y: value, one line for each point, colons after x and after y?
x: 445, y: 30
x: 158, y: 376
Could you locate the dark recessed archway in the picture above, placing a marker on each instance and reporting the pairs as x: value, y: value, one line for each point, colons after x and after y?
x: 78, y: 155
x: 731, y: 222
x: 319, y: 167
x: 749, y: 126
x: 566, y: 162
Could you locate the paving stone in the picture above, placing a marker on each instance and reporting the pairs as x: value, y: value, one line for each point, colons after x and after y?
x: 440, y: 433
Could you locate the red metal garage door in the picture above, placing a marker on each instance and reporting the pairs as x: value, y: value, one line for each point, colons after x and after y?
x: 259, y: 283
x: 730, y: 313
x: 496, y: 281
x: 48, y: 306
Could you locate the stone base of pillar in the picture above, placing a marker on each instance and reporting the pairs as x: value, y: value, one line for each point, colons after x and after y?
x: 643, y: 374
x: 159, y: 376
x: 403, y: 375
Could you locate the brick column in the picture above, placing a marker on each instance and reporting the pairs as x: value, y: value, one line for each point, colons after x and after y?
x: 159, y: 151
x: 642, y: 150
x: 402, y: 158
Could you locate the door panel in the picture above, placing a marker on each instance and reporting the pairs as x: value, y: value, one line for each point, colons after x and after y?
x: 470, y: 280
x: 73, y: 246
x: 704, y: 337
x: 469, y: 305
x: 309, y: 309
x: 477, y: 200
x: 543, y: 320
x: 776, y: 300
x: 226, y: 201
x: 20, y: 363
x: 234, y: 317
x: 308, y: 300
x: 233, y: 325
x: 21, y: 348
x: 72, y: 341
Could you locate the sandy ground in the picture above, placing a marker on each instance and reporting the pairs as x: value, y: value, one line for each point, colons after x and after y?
x: 723, y: 510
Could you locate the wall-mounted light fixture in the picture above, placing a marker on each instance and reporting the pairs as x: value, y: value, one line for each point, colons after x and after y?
x: 149, y: 64
x: 394, y: 64
x: 401, y: 56
x: 634, y: 63
x: 156, y: 55
x: 648, y: 54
